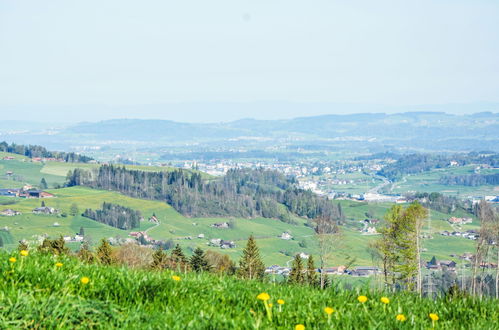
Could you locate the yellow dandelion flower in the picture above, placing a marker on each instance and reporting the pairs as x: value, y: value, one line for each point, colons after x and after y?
x: 299, y: 327
x: 362, y: 299
x: 401, y: 317
x: 84, y: 280
x: 270, y: 305
x: 12, y: 259
x: 58, y: 264
x: 385, y: 300
x: 329, y: 310
x: 24, y: 253
x: 433, y: 317
x: 176, y: 278
x: 263, y: 296
x: 280, y: 302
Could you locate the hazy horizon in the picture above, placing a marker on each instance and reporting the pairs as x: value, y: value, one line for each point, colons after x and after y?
x: 225, y: 60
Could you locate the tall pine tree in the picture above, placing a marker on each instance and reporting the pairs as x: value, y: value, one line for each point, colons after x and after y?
x: 159, y: 259
x: 198, y: 261
x: 178, y: 259
x: 296, y: 275
x: 251, y: 265
x: 104, y: 253
x: 311, y: 277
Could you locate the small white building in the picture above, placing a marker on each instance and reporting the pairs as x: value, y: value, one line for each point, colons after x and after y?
x: 286, y: 236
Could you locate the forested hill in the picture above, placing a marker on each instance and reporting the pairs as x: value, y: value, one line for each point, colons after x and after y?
x: 33, y: 151
x: 417, y: 163
x: 240, y: 193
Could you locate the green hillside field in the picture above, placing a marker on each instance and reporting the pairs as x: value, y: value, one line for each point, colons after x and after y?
x: 59, y: 292
x: 174, y: 226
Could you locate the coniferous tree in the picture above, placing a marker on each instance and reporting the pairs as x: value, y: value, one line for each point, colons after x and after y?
x: 251, y: 265
x: 178, y: 259
x: 159, y: 259
x: 198, y: 261
x: 59, y: 246
x: 1, y: 242
x: 104, y: 253
x: 74, y: 209
x: 85, y: 254
x: 81, y: 232
x: 43, y: 184
x: 311, y: 277
x: 296, y: 275
x: 42, y: 204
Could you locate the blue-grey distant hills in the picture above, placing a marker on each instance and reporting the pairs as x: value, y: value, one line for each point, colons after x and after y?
x: 411, y: 130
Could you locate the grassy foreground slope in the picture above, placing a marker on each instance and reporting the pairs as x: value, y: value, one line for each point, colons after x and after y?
x: 35, y: 293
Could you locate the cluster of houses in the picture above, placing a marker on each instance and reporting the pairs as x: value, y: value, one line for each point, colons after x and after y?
x: 341, y: 270
x: 45, y: 210
x: 459, y: 221
x: 221, y: 225
x: 142, y: 235
x: 450, y: 265
x: 75, y: 238
x: 25, y: 192
x: 369, y: 227
x: 469, y: 234
x: 9, y: 213
x: 217, y: 242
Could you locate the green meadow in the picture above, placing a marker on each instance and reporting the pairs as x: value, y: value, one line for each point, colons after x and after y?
x: 350, y: 244
x: 59, y: 292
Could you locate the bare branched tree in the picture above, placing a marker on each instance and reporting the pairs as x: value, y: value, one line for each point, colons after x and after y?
x: 327, y: 233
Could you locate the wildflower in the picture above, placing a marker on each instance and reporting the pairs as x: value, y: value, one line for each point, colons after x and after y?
x: 329, y: 310
x: 299, y: 327
x: 433, y: 317
x: 58, y: 264
x: 401, y: 317
x: 12, y: 259
x: 24, y: 253
x: 270, y: 305
x: 280, y: 302
x: 263, y: 296
x: 176, y: 278
x: 385, y: 300
x: 362, y: 299
x: 84, y: 280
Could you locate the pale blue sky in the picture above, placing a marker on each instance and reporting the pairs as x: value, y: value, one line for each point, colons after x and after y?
x: 112, y: 58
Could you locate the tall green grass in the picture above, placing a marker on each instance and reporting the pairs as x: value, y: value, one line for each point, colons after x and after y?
x: 35, y: 293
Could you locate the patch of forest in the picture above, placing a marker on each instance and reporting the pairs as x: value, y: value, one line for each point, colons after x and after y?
x: 472, y: 180
x: 241, y: 193
x: 115, y: 215
x: 418, y: 163
x: 33, y: 151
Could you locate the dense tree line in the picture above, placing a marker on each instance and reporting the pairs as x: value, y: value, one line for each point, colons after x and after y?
x: 440, y: 202
x: 471, y: 179
x: 39, y: 151
x: 115, y: 215
x: 240, y: 193
x: 417, y: 163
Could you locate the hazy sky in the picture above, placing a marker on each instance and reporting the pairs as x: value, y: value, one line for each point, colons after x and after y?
x: 191, y: 60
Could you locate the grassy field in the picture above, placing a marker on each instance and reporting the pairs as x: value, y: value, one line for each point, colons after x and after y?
x: 35, y: 293
x: 174, y: 226
x: 429, y: 182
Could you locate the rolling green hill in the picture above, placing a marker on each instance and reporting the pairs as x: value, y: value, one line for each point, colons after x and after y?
x: 177, y: 227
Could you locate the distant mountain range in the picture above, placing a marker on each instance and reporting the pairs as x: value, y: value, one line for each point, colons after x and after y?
x: 413, y: 130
